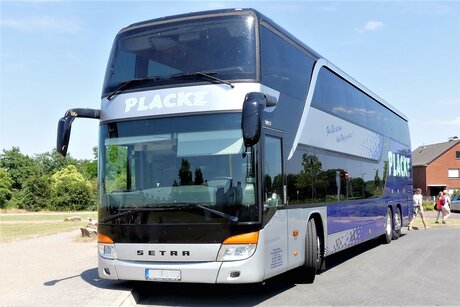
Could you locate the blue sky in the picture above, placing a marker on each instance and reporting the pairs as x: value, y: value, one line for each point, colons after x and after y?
x: 53, y: 56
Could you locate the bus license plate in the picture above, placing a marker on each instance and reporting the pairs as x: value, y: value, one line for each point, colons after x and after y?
x: 162, y: 274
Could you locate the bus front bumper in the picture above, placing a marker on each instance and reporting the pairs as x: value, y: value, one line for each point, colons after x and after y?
x: 243, y: 271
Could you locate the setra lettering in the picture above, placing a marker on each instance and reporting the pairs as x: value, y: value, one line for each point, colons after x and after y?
x: 164, y: 253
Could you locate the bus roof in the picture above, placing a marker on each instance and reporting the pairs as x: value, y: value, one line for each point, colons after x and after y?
x: 273, y: 24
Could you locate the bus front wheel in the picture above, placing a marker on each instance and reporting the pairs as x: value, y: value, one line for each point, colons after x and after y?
x: 313, y: 257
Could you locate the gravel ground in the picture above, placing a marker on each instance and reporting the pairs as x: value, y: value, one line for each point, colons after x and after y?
x: 56, y: 270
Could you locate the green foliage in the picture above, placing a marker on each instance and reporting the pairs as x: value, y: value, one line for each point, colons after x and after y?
x: 71, y: 191
x: 36, y: 194
x: 27, y: 182
x: 19, y: 166
x: 5, y: 188
x: 116, y: 168
x: 51, y: 162
x: 428, y: 205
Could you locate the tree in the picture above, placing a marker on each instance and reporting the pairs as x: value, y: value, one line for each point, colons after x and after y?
x: 198, y: 177
x: 5, y: 188
x: 312, y: 176
x: 52, y: 161
x: 89, y: 167
x: 36, y: 193
x: 71, y: 191
x: 185, y: 175
x: 19, y: 166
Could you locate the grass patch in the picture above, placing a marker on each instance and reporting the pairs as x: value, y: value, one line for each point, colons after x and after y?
x: 30, y: 225
x: 431, y: 222
x: 46, y: 216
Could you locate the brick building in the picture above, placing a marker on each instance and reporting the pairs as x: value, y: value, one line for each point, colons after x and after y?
x: 436, y: 167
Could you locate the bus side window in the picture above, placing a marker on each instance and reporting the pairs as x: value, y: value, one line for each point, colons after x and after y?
x: 273, y: 174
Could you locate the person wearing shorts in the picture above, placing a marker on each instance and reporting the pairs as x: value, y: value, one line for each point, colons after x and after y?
x: 418, y: 209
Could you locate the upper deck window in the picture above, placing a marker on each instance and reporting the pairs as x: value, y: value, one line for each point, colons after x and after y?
x: 223, y: 46
x: 284, y: 67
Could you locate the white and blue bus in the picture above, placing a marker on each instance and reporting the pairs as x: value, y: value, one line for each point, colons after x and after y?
x: 230, y: 152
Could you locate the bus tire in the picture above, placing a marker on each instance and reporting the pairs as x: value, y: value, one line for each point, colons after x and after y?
x: 313, y: 256
x: 387, y: 236
x: 397, y: 224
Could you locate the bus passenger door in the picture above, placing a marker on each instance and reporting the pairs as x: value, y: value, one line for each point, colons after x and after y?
x: 275, y: 231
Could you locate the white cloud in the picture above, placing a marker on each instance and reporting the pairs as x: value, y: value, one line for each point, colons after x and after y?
x: 445, y: 121
x: 454, y: 102
x: 43, y: 23
x: 371, y: 26
x: 455, y: 121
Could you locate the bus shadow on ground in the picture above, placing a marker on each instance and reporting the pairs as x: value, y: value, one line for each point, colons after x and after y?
x: 91, y: 276
x: 348, y: 254
x: 179, y: 294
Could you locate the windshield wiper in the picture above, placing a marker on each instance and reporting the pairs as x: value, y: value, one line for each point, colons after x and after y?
x: 131, y: 211
x: 201, y: 74
x: 130, y: 83
x: 229, y: 217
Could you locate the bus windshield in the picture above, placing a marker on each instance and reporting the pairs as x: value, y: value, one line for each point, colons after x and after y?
x: 223, y: 47
x: 186, y: 169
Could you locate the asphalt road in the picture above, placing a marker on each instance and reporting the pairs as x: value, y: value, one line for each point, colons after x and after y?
x: 421, y: 268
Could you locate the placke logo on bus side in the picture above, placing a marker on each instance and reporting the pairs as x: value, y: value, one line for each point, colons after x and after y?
x: 172, y: 100
x: 398, y: 165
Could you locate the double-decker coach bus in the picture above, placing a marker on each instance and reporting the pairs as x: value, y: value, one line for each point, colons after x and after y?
x: 230, y: 152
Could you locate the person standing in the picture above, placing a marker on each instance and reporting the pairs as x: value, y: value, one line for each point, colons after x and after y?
x: 446, y: 208
x: 418, y: 209
x: 440, y: 202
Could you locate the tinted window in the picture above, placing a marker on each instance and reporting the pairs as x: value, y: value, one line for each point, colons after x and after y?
x: 273, y: 180
x: 284, y: 67
x: 336, y: 96
x: 223, y: 45
x: 323, y: 176
x: 175, y: 162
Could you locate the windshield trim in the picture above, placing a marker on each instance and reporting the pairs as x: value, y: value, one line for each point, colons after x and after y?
x: 189, y: 17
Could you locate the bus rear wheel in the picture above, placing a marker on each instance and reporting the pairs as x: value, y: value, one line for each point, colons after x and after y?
x: 397, y: 224
x: 313, y: 257
x: 387, y: 236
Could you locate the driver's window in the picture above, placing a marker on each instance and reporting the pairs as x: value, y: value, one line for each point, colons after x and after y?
x: 273, y: 174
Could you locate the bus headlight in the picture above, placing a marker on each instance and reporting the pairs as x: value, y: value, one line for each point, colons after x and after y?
x: 106, y: 250
x: 236, y: 252
x: 238, y: 247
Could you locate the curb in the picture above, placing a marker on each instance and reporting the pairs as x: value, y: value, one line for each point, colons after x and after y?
x: 125, y: 299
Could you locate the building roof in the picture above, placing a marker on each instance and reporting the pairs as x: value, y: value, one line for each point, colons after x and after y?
x: 424, y: 155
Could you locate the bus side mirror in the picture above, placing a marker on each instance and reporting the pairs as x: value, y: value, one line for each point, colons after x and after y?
x: 63, y: 134
x: 65, y: 126
x: 251, y: 117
